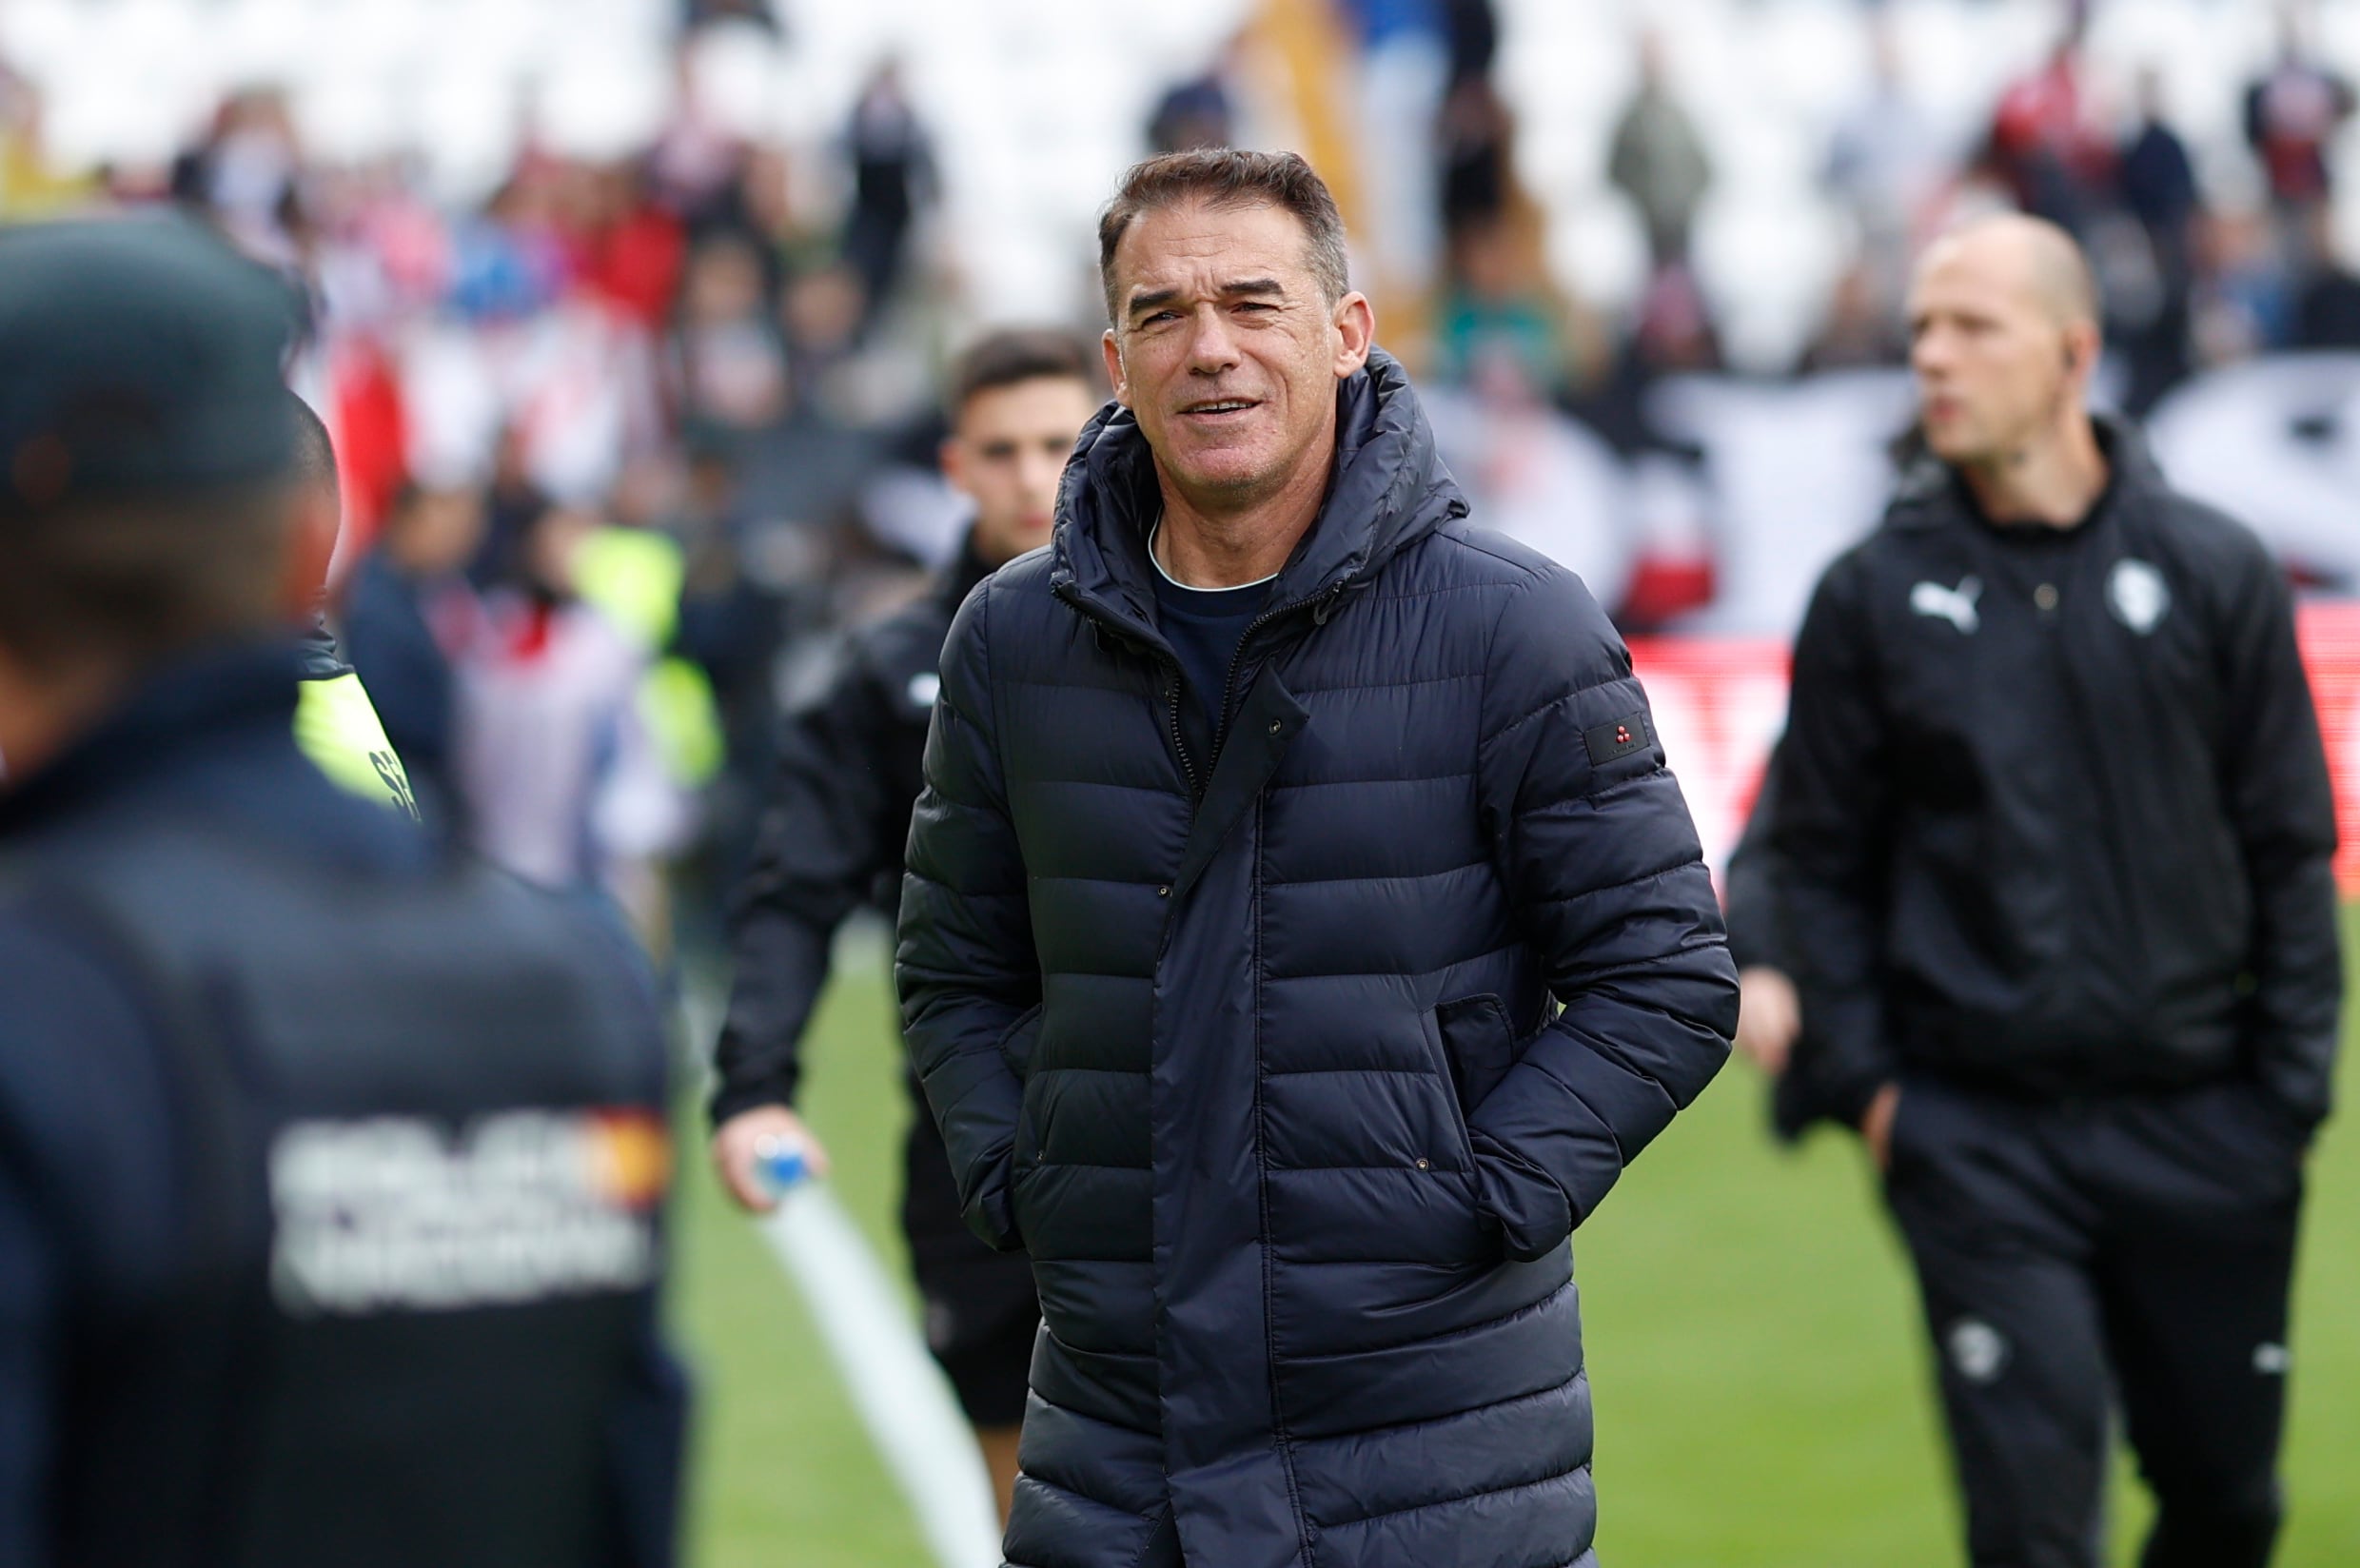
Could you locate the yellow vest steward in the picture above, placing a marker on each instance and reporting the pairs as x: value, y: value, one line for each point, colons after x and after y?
x: 337, y: 726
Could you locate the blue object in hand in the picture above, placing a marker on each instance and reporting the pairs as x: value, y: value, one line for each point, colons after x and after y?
x: 780, y: 1164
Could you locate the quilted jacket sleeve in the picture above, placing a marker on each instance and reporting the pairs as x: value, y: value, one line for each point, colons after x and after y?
x: 1608, y: 881
x: 964, y: 961
x: 1829, y: 828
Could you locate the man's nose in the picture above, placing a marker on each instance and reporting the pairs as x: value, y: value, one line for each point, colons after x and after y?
x: 1037, y: 473
x: 1211, y: 346
x: 1930, y: 354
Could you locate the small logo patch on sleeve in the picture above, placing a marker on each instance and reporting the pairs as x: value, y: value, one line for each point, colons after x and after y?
x: 1618, y: 739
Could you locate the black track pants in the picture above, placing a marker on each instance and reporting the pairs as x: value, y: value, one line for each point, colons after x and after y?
x: 2131, y: 1254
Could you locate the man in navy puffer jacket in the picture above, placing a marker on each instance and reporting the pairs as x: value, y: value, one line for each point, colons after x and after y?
x: 1300, y: 933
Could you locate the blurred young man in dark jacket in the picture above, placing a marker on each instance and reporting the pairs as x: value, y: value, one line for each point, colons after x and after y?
x: 428, y: 538
x: 830, y: 842
x: 1302, y: 934
x: 2055, y: 833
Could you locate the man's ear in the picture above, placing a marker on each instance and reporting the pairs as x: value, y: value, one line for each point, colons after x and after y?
x: 952, y: 457
x: 2081, y: 351
x: 1115, y: 379
x: 1356, y: 332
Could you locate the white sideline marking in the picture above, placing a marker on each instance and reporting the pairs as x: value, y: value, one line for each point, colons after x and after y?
x: 902, y: 1396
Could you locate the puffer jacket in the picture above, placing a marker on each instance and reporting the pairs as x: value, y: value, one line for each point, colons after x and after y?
x: 1294, y: 1066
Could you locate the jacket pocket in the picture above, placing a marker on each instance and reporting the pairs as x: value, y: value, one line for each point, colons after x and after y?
x: 1478, y: 1044
x: 1016, y: 1045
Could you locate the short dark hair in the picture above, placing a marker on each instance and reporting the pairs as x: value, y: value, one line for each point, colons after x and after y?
x: 1228, y: 177
x: 1018, y: 354
x: 131, y: 580
x: 314, y: 460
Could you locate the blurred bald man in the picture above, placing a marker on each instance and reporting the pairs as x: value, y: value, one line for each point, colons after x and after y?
x: 2056, y: 837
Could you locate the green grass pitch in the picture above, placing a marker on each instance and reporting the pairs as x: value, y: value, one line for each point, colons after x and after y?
x: 1763, y: 1397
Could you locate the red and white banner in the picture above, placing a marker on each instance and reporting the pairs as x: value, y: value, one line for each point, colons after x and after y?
x: 1721, y: 703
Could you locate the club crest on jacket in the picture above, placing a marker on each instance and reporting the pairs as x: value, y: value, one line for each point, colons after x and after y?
x: 2137, y: 594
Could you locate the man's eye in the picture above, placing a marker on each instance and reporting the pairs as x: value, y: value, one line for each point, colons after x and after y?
x: 1255, y: 305
x: 1160, y: 317
x: 998, y: 452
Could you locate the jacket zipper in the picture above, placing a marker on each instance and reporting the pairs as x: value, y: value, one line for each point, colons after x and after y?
x: 1318, y: 602
x: 1172, y: 679
x: 1173, y: 676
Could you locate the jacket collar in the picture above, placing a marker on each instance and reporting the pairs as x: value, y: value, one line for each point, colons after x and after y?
x: 1930, y: 493
x: 959, y: 579
x: 200, y: 703
x: 1389, y: 489
x: 321, y: 660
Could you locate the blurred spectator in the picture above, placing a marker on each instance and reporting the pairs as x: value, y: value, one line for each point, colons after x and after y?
x: 1404, y: 72
x: 1533, y: 474
x: 1200, y: 111
x: 627, y: 248
x: 563, y: 780
x: 1658, y: 159
x: 1473, y: 141
x: 1471, y: 27
x: 2046, y: 144
x: 243, y: 174
x: 893, y: 178
x: 1885, y: 164
x: 1675, y: 332
x: 699, y: 13
x: 31, y: 185
x: 1498, y: 302
x: 2327, y: 308
x: 2157, y: 181
x: 2291, y: 115
x: 398, y: 593
x: 1861, y: 330
x: 727, y: 358
x: 2244, y: 303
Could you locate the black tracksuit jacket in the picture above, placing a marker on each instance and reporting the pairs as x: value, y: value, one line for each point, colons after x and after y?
x: 830, y: 841
x: 2053, y: 817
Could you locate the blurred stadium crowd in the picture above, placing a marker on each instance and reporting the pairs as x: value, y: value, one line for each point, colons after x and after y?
x: 629, y: 432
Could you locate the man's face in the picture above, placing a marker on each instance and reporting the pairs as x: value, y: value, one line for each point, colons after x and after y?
x: 1226, y: 349
x: 1006, y: 455
x: 1993, y: 361
x: 443, y: 531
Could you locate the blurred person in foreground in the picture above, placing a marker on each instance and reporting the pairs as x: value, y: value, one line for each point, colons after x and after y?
x: 830, y: 842
x: 1271, y: 816
x: 2055, y: 830
x: 328, y: 1228
x: 335, y: 723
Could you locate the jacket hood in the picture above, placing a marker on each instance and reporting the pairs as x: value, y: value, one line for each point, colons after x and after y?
x: 1390, y: 488
x: 1929, y: 493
